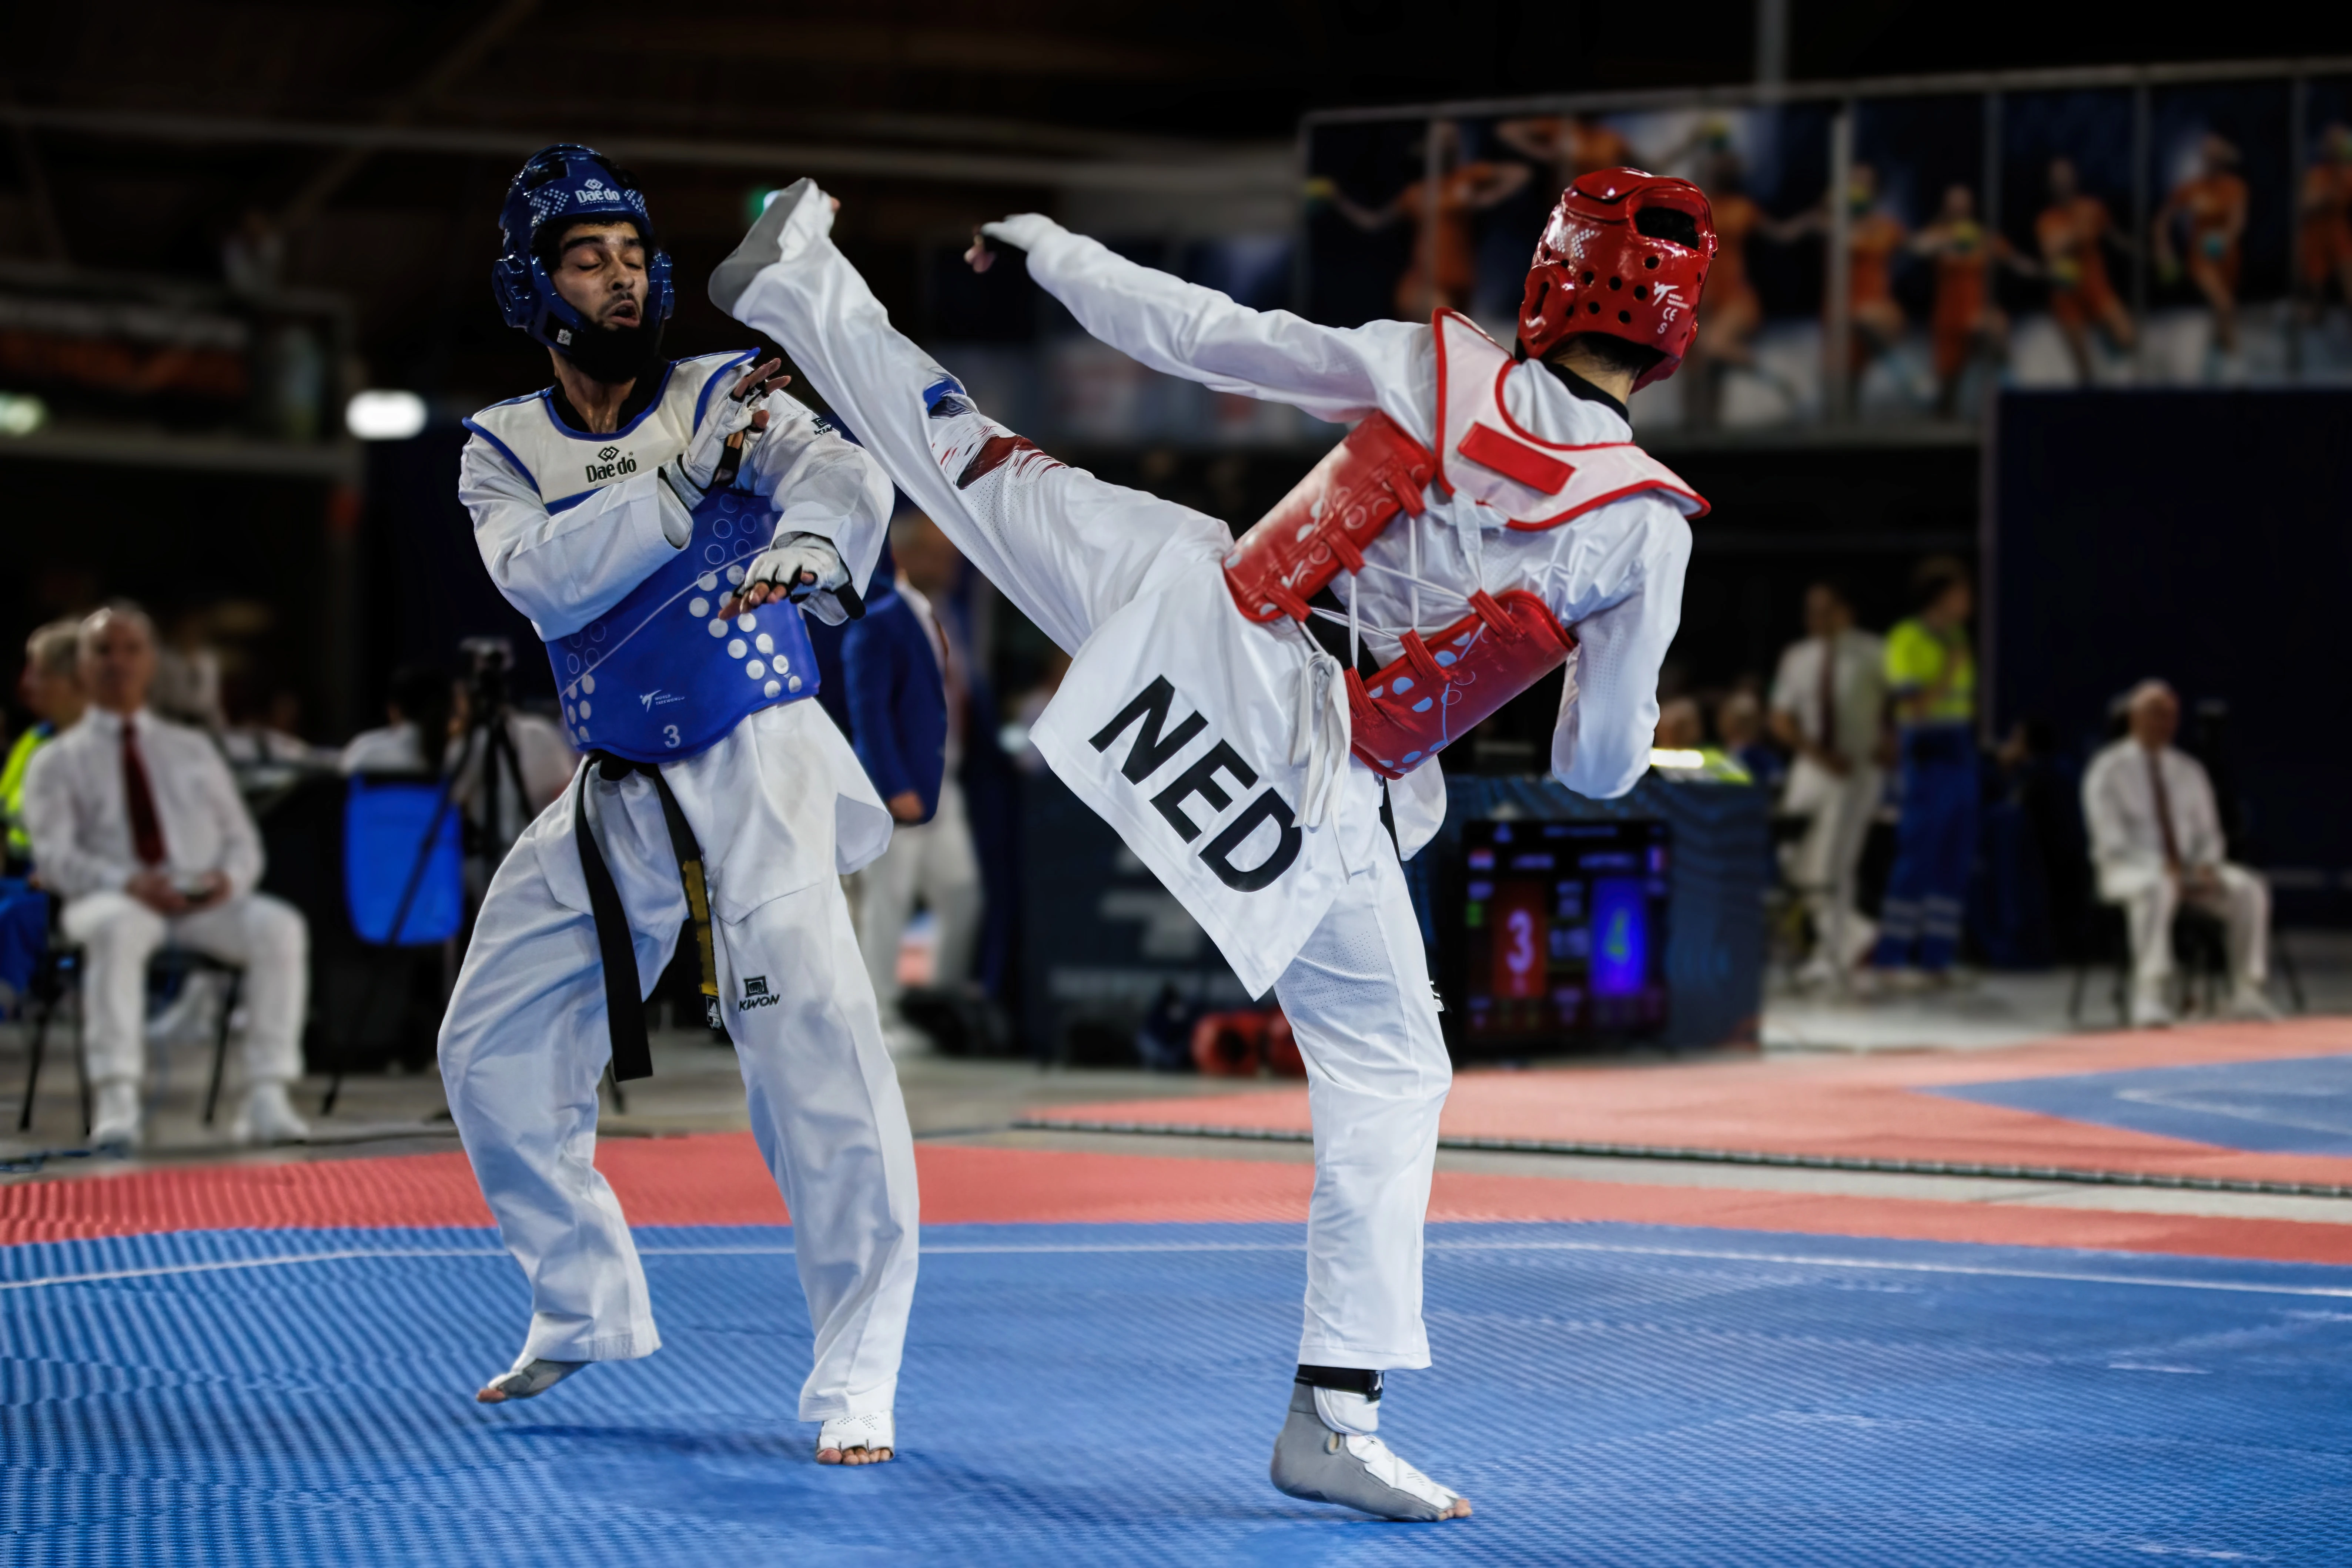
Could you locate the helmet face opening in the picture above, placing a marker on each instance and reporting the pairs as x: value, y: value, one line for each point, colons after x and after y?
x: 1624, y: 255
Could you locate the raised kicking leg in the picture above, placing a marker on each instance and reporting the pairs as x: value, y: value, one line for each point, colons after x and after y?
x: 1067, y: 548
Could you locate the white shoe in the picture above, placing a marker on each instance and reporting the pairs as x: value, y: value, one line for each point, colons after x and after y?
x: 2150, y: 1011
x: 117, y: 1115
x: 2248, y: 1003
x: 268, y: 1118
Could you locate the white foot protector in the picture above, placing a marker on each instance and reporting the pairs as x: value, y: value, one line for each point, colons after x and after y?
x: 527, y: 1381
x: 848, y: 1432
x: 1312, y: 1461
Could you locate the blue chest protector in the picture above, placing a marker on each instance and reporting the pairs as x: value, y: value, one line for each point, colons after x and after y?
x: 661, y: 676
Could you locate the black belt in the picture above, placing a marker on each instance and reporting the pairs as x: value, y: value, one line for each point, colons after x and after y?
x: 625, y: 1005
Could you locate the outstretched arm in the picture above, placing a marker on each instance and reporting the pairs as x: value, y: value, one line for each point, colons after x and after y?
x: 1335, y: 373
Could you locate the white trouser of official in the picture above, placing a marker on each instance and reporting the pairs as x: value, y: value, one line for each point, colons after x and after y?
x: 268, y: 936
x: 1070, y: 550
x: 933, y: 861
x: 524, y: 1048
x: 2149, y: 897
x: 1824, y: 864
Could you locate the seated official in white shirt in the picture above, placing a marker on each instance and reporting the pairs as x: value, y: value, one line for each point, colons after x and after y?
x: 136, y: 822
x: 2155, y: 841
x: 1829, y: 707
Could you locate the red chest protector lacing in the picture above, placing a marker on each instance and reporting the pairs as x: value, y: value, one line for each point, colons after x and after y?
x: 1439, y: 686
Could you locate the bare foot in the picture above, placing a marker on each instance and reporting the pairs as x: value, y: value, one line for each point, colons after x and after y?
x: 1461, y: 1509
x: 857, y: 1456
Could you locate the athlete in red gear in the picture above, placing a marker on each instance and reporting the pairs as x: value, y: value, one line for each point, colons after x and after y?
x: 1257, y: 717
x: 1965, y: 324
x: 1443, y: 272
x: 2074, y: 233
x: 2210, y: 205
x: 2325, y: 210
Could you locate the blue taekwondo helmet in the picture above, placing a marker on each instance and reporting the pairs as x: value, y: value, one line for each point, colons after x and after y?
x: 572, y: 184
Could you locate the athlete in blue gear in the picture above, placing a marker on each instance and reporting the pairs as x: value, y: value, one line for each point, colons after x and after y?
x: 664, y: 524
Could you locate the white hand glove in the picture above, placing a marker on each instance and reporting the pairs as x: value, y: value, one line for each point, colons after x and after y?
x: 1022, y: 231
x: 783, y: 564
x: 690, y: 473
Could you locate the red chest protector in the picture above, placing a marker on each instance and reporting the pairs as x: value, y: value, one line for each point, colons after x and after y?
x: 1440, y: 687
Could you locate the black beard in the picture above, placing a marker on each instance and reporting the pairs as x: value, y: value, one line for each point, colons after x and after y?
x: 614, y: 355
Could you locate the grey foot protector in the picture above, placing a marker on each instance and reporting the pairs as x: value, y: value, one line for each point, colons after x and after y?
x: 527, y: 1382
x: 759, y: 249
x: 1312, y: 1461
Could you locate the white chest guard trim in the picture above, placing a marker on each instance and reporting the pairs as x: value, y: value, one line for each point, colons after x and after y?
x: 1482, y: 451
x: 566, y: 466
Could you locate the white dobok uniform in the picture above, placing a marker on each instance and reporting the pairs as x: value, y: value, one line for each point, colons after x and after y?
x: 2133, y: 826
x: 780, y: 811
x: 1133, y: 586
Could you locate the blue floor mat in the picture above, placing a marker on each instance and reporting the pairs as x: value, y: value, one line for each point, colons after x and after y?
x: 2298, y: 1106
x: 1619, y: 1394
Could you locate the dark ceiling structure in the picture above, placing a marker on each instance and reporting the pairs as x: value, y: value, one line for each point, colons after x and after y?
x: 369, y: 143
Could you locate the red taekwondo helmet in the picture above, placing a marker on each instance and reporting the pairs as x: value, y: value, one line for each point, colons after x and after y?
x: 1625, y: 252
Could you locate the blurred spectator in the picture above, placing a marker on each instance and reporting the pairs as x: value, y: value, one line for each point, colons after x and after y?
x: 188, y: 677
x: 929, y: 861
x: 1739, y: 724
x: 2210, y: 207
x: 51, y: 688
x: 1569, y: 145
x: 136, y: 823
x: 542, y: 768
x: 1829, y: 707
x: 2155, y: 843
x: 420, y: 703
x: 269, y: 738
x: 425, y: 702
x: 1874, y: 238
x: 1681, y: 726
x: 1931, y: 673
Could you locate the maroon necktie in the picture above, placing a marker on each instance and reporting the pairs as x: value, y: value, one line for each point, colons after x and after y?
x: 2163, y: 810
x: 146, y: 831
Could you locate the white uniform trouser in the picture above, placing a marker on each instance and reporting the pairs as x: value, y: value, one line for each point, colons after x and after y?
x: 524, y: 1048
x: 932, y: 862
x: 118, y: 934
x: 1824, y: 864
x: 2150, y: 898
x: 1071, y: 550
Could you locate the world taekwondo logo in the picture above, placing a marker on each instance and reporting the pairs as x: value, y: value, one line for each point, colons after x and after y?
x: 659, y: 698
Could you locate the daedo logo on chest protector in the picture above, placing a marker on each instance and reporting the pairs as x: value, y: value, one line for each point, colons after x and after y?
x: 1156, y: 748
x: 612, y: 463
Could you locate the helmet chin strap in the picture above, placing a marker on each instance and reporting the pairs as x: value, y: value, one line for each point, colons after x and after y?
x: 614, y: 354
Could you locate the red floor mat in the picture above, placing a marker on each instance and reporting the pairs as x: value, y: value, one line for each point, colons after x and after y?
x: 717, y: 1180
x: 1865, y: 1107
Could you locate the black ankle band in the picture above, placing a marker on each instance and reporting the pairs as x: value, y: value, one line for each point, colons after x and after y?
x: 1346, y: 1379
